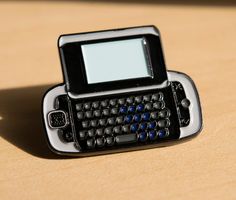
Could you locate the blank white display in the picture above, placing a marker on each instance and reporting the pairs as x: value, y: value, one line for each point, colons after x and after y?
x: 116, y: 60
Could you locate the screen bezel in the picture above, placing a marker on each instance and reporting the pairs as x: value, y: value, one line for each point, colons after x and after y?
x: 75, y: 74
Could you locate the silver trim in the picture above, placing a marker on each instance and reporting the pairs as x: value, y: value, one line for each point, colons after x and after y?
x: 76, y: 96
x: 106, y: 34
x: 195, y: 124
x: 53, y: 136
x: 56, y: 111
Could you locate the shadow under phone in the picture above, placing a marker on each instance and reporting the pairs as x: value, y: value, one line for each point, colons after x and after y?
x: 21, y: 120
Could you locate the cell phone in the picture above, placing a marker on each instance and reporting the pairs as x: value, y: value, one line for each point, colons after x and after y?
x: 117, y: 95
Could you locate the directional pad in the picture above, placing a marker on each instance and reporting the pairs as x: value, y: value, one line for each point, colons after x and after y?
x: 57, y: 119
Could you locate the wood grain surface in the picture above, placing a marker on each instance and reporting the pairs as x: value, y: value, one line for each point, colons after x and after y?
x: 198, y: 40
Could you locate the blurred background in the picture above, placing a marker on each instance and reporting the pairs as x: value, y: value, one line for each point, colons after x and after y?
x: 198, y: 38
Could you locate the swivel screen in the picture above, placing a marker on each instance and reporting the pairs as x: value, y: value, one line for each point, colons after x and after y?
x: 116, y: 60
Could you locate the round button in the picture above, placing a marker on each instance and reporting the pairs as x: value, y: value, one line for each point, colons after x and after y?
x: 151, y: 125
x: 143, y: 126
x: 140, y: 107
x: 90, y: 143
x: 134, y: 127
x: 123, y: 109
x: 143, y: 136
x: 132, y: 109
x: 108, y: 130
x: 91, y: 133
x: 110, y: 141
x: 137, y: 118
x: 100, y: 142
x: 185, y: 103
x: 128, y: 119
x: 146, y: 116
x: 163, y: 133
x: 125, y: 128
x: 152, y: 135
x: 164, y: 113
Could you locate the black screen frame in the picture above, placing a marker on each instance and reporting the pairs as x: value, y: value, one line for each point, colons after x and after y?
x: 75, y: 75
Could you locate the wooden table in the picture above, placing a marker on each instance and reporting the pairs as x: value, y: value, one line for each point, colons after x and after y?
x: 198, y: 40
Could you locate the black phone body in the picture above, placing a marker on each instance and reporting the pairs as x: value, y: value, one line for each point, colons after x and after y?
x: 117, y: 95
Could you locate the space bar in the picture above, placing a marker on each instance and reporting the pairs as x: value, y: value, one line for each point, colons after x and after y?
x: 123, y: 139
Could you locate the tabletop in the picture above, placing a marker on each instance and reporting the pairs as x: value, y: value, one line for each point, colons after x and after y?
x: 198, y: 39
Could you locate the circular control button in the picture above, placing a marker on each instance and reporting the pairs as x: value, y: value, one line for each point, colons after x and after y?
x: 185, y: 103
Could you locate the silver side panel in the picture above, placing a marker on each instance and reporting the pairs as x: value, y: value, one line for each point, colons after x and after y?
x: 53, y: 136
x: 195, y: 124
x: 106, y: 34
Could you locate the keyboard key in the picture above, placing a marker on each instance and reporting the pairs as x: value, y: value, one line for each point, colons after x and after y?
x: 82, y: 135
x: 79, y: 106
x: 119, y: 120
x: 147, y: 98
x: 130, y: 100
x: 85, y: 124
x: 113, y: 102
x: 143, y: 136
x: 95, y: 104
x: 89, y: 114
x: 143, y: 126
x: 106, y: 112
x: 164, y: 113
x: 87, y: 106
x: 137, y: 117
x: 157, y: 96
x: 140, y: 107
x: 100, y: 142
x: 114, y: 111
x: 94, y: 123
x: 97, y: 113
x: 128, y: 138
x: 100, y: 132
x: 163, y: 123
x: 108, y: 130
x: 134, y: 127
x: 91, y: 143
x: 154, y: 115
x: 91, y: 133
x: 80, y: 115
x: 159, y: 105
x: 151, y: 125
x: 146, y: 116
x: 125, y: 128
x: 132, y: 109
x: 123, y: 109
x: 110, y: 141
x: 128, y: 119
x: 138, y: 99
x: 102, y: 122
x: 117, y: 129
x: 148, y: 106
x: 152, y: 135
x: 121, y: 101
x: 104, y: 103
x: 111, y: 121
x: 163, y: 133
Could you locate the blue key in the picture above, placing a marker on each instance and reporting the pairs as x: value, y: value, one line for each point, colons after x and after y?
x: 146, y: 116
x: 137, y: 118
x: 132, y: 109
x: 123, y: 109
x: 143, y: 126
x: 143, y: 136
x: 128, y: 119
x: 162, y: 133
x: 152, y: 125
x: 134, y: 127
x: 152, y: 135
x: 140, y: 107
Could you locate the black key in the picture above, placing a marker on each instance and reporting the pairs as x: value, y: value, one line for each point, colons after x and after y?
x: 121, y: 101
x: 163, y: 123
x: 102, y: 122
x: 91, y: 143
x: 185, y: 103
x: 100, y: 142
x: 85, y: 124
x: 95, y: 104
x: 130, y: 100
x: 147, y: 98
x: 79, y: 106
x: 100, y: 132
x: 106, y: 112
x: 157, y: 96
x: 67, y: 136
x: 108, y: 130
x: 87, y: 106
x: 119, y: 120
x: 154, y: 115
x: 113, y: 102
x: 57, y: 119
x: 91, y: 133
x: 125, y: 128
x: 104, y: 103
x: 97, y: 113
x: 117, y: 129
x: 159, y: 105
x: 148, y: 106
x: 110, y: 141
x: 89, y: 114
x: 138, y: 99
x: 111, y: 121
x: 164, y: 113
x: 94, y: 123
x: 128, y: 138
x: 80, y: 115
x: 114, y: 111
x: 82, y: 135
